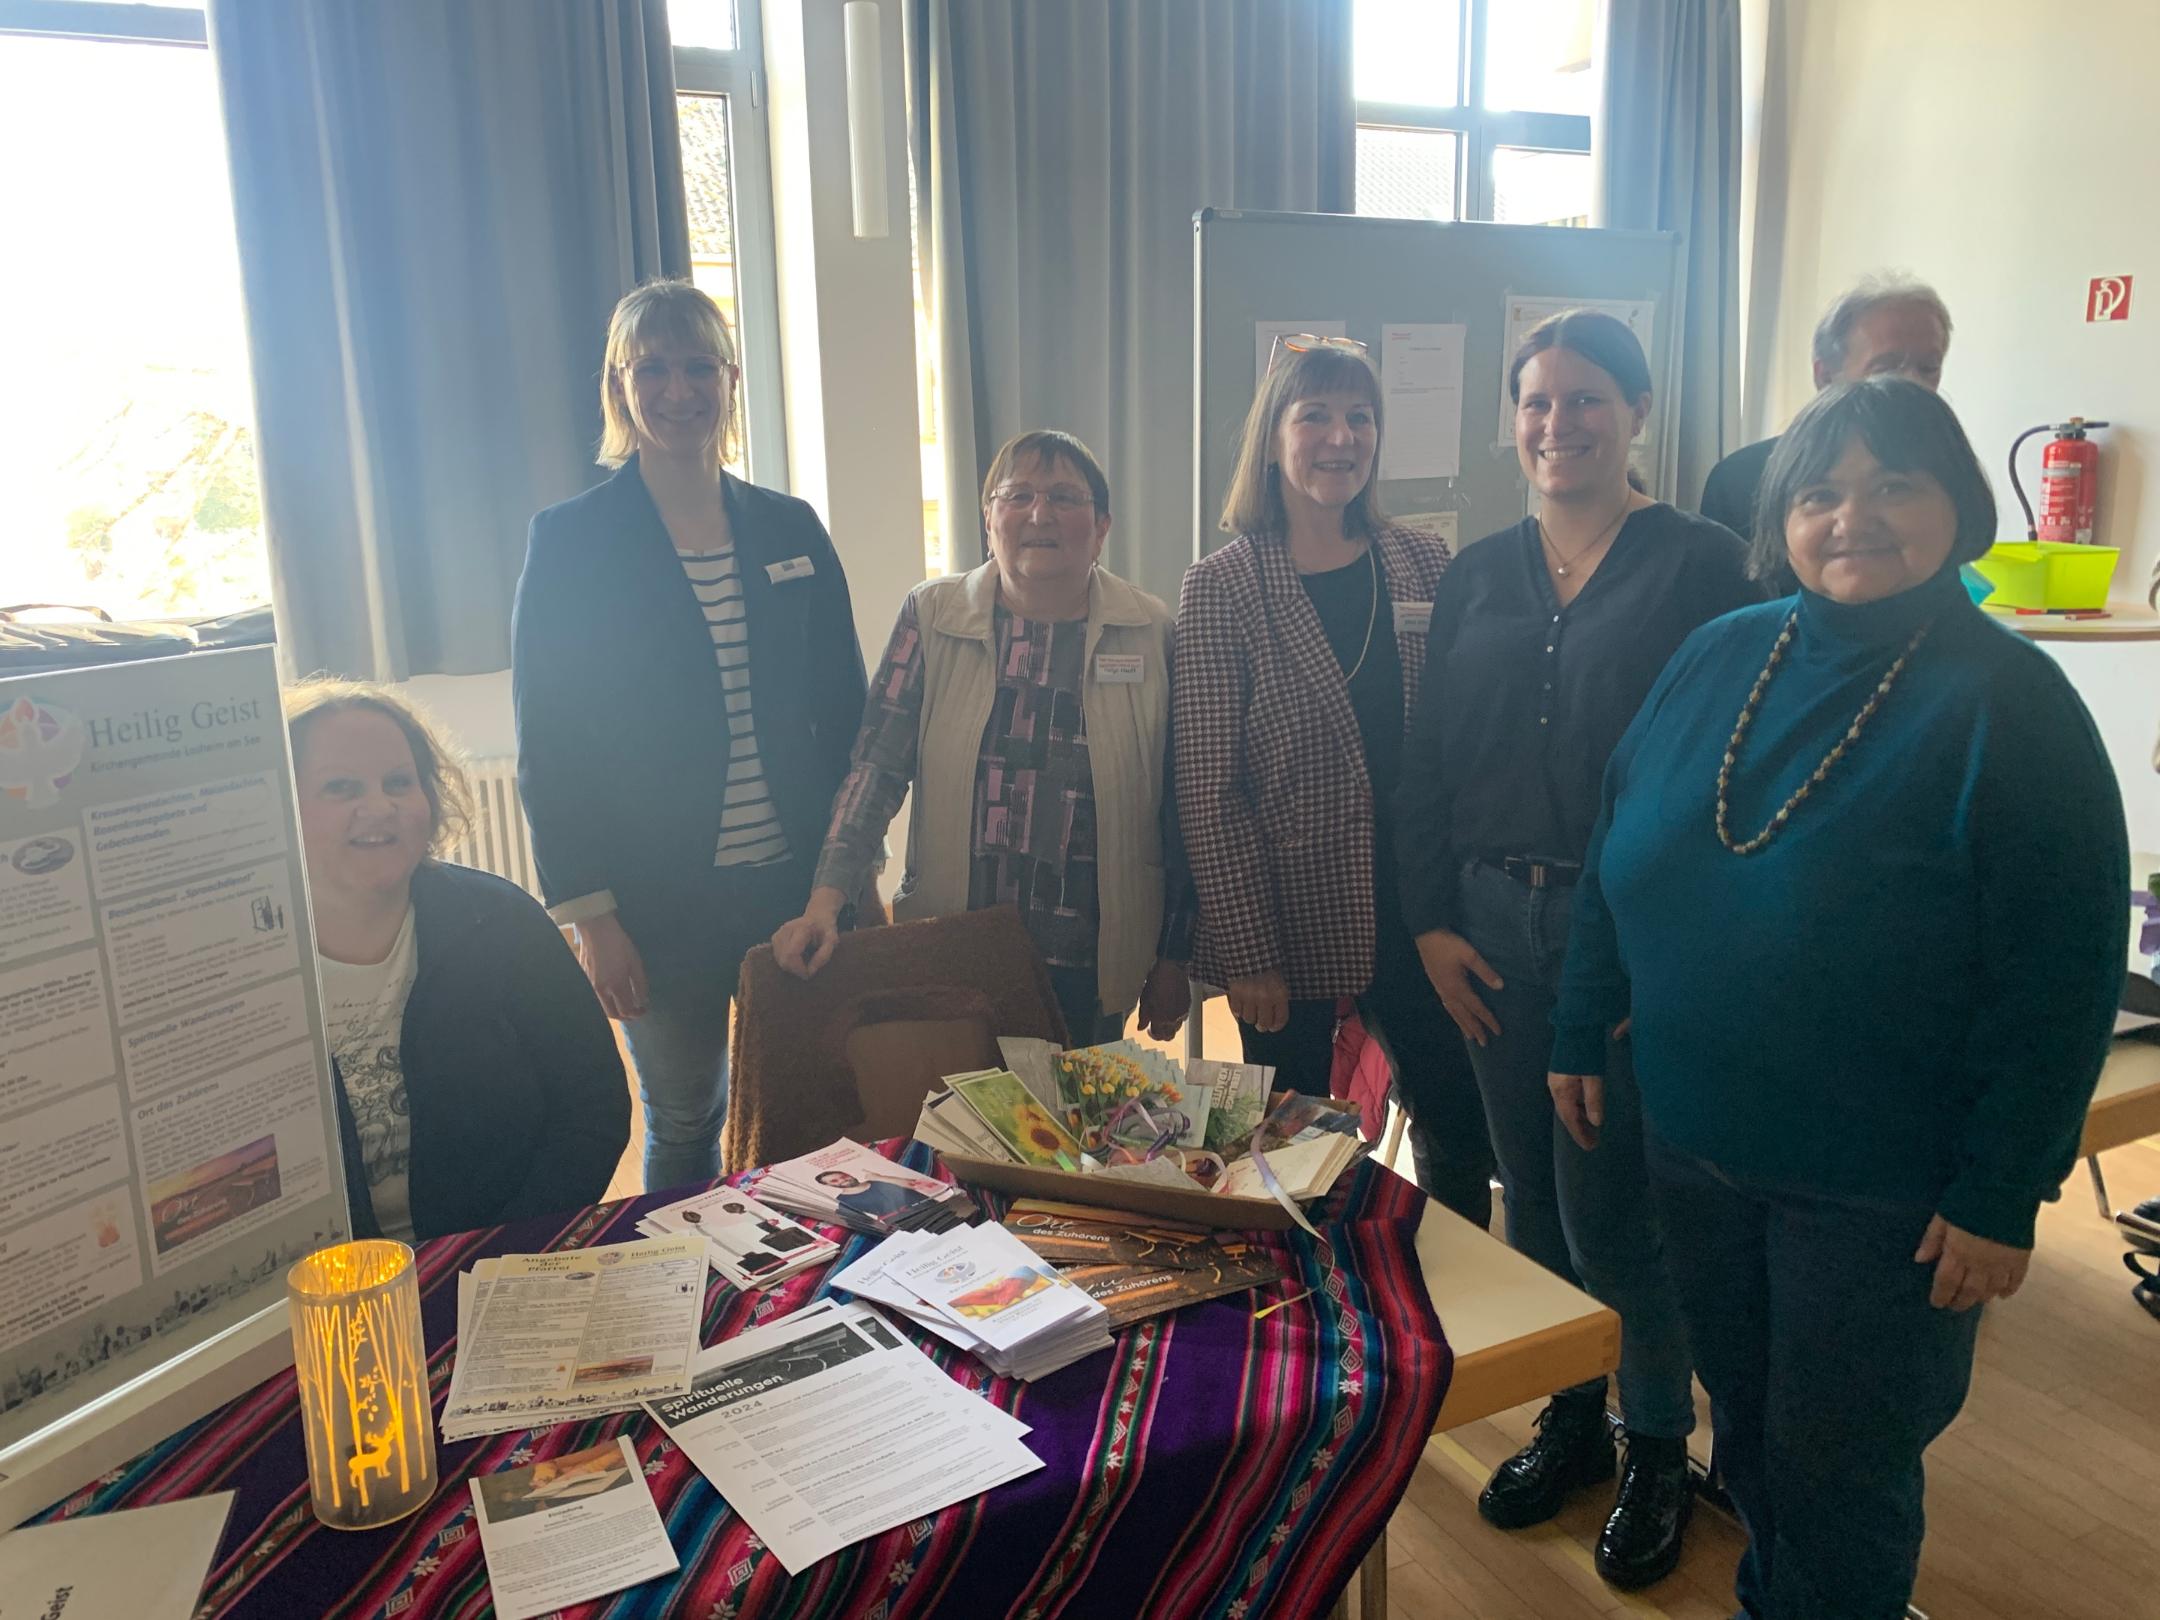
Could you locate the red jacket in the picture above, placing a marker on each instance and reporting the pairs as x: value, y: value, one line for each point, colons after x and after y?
x: 1272, y: 791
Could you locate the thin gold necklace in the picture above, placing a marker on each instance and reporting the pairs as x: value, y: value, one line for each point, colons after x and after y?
x: 1561, y: 564
x: 1372, y: 614
x: 1777, y: 822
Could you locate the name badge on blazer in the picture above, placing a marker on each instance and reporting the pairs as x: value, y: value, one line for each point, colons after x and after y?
x: 794, y: 568
x: 1120, y: 669
x: 1413, y: 618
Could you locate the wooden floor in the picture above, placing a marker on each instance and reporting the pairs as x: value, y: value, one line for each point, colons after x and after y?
x: 2043, y: 1499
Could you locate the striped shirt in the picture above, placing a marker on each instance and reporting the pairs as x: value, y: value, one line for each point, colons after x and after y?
x: 750, y: 831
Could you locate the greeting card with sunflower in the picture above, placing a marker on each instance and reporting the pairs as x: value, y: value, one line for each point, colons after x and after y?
x: 1016, y: 1119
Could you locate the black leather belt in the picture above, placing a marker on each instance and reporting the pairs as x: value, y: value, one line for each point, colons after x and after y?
x: 1534, y: 874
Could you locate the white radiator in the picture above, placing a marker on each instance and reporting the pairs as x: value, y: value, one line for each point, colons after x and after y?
x: 499, y: 841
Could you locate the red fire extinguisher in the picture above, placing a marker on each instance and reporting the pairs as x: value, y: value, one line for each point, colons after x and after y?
x: 2069, y: 482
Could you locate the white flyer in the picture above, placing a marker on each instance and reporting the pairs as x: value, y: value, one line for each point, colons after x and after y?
x: 992, y: 1284
x: 568, y: 1528
x: 552, y: 1337
x: 1421, y: 381
x: 822, y: 1430
x: 145, y: 1563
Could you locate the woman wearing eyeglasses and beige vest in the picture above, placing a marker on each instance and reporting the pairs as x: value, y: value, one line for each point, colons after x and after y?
x: 1300, y: 647
x: 1027, y: 707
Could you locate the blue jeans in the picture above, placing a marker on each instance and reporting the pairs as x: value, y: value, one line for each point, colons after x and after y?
x: 1585, y: 1216
x: 1085, y: 1021
x: 680, y: 1052
x: 693, y: 955
x: 1829, y: 1374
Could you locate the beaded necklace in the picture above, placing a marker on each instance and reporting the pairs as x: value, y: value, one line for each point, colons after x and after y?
x: 1776, y: 824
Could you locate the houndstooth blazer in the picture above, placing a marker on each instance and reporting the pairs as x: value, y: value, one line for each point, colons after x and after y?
x: 1273, y: 796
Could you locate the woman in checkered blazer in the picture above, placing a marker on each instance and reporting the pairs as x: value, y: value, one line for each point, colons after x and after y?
x: 1300, y: 645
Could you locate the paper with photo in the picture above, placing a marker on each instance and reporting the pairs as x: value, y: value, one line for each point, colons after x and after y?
x: 826, y: 1430
x: 1237, y: 1100
x: 1029, y: 1058
x: 145, y: 1563
x: 569, y: 1528
x: 992, y: 1284
x: 748, y: 1244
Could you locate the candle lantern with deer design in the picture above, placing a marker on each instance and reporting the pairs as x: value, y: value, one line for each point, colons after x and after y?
x: 362, y: 1365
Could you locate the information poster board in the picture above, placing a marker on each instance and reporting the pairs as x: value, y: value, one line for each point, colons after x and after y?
x: 168, y: 1132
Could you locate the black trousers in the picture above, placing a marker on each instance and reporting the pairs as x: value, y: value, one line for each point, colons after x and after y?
x: 1829, y: 1374
x: 1433, y: 1078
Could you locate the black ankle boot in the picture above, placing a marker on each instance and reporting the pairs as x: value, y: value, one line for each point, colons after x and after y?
x: 1572, y: 1447
x: 1641, y: 1543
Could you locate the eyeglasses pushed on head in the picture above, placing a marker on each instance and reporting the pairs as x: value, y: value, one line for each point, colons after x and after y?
x: 1306, y: 342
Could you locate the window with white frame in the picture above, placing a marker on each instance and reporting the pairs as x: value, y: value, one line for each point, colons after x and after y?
x: 1475, y: 109
x: 132, y: 485
x: 727, y: 189
x: 130, y: 440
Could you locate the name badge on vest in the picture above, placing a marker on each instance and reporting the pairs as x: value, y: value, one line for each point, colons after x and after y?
x: 794, y: 568
x: 1120, y: 669
x: 1413, y: 618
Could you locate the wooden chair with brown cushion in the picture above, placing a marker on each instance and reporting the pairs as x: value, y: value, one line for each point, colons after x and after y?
x: 854, y: 1051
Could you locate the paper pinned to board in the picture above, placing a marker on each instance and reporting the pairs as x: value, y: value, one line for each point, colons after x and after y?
x: 1421, y: 385
x: 1524, y: 313
x: 1266, y: 332
x: 1444, y: 526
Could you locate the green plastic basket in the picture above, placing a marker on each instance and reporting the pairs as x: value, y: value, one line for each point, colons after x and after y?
x: 2048, y: 574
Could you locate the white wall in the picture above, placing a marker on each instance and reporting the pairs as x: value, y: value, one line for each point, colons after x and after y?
x: 2006, y: 151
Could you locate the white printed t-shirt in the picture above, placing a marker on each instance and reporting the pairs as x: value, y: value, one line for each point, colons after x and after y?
x: 364, y: 1006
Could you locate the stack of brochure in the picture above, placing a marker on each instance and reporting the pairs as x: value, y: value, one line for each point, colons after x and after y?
x: 825, y: 1427
x: 748, y: 1244
x: 852, y: 1186
x: 985, y: 1291
x: 1137, y: 1266
x: 557, y: 1338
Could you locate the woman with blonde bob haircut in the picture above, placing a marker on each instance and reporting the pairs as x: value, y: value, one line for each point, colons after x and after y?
x: 687, y: 682
x: 477, y: 1080
x: 1300, y: 648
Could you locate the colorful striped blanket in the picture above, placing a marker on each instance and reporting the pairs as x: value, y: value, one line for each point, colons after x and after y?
x: 1211, y: 1464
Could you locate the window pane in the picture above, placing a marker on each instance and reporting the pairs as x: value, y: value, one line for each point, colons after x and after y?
x: 706, y: 24
x: 129, y: 432
x: 1406, y: 173
x: 709, y: 196
x: 1409, y: 51
x: 1540, y: 188
x: 1537, y: 57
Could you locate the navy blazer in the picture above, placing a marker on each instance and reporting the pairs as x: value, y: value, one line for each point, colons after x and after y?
x: 513, y: 1083
x: 621, y: 717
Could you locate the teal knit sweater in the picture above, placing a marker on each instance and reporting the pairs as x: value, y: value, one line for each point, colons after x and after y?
x: 1908, y: 995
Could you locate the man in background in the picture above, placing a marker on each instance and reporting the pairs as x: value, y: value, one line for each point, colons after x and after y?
x: 1884, y: 326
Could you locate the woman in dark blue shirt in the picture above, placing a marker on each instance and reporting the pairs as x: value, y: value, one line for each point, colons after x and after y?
x: 1859, y: 882
x: 1545, y: 639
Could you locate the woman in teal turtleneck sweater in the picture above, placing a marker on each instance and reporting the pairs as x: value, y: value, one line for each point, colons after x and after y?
x: 1859, y: 882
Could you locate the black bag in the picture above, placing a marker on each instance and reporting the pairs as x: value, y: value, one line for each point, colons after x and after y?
x: 33, y: 648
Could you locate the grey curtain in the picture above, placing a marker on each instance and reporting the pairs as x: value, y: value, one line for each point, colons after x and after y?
x: 1667, y: 149
x: 1060, y: 152
x: 437, y: 207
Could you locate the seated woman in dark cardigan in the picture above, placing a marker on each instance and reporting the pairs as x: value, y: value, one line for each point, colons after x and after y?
x: 1859, y: 881
x: 478, y: 1080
